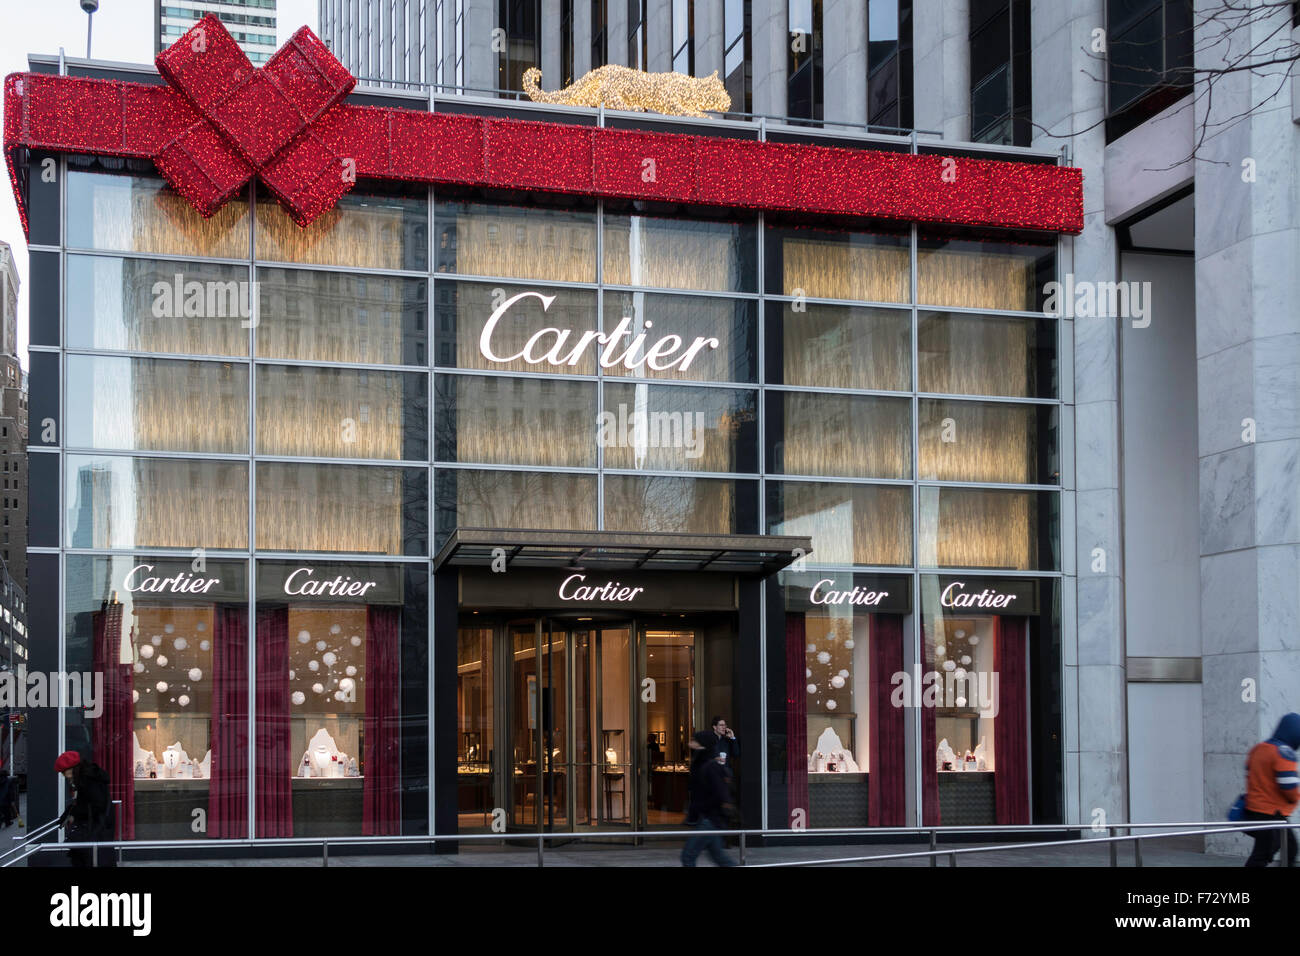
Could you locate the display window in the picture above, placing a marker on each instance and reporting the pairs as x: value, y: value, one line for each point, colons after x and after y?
x: 989, y: 528
x: 867, y: 264
x: 999, y: 355
x: 987, y: 442
x: 521, y: 242
x: 683, y: 337
x: 679, y: 428
x: 368, y: 228
x: 511, y: 420
x: 835, y: 346
x: 474, y: 498
x: 671, y: 253
x: 169, y: 638
x: 844, y: 640
x: 960, y: 270
x: 848, y: 523
x: 680, y: 505
x: 820, y: 433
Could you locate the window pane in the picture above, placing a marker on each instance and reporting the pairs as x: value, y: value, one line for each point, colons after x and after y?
x: 367, y: 509
x: 147, y: 305
x: 166, y: 657
x: 513, y: 499
x: 662, y: 427
x: 834, y: 346
x: 157, y: 404
x: 341, y: 317
x: 155, y: 502
x: 987, y: 442
x: 840, y: 436
x: 988, y: 528
x: 680, y: 253
x: 143, y: 214
x: 849, y: 524
x: 826, y: 264
x: 341, y: 413
x: 679, y: 505
x: 981, y: 275
x: 360, y: 231
x: 501, y: 420
x: 524, y: 242
x: 715, y: 339
x: 986, y: 355
x: 518, y: 338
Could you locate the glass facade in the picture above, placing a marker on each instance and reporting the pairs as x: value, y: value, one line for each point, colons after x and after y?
x: 306, y: 415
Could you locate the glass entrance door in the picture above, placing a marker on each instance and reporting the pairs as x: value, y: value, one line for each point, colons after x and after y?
x: 667, y: 719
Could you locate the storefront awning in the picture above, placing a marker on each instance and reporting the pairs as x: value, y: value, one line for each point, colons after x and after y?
x: 745, y: 554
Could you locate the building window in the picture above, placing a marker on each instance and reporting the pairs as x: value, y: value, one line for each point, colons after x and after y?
x: 889, y: 63
x: 804, y: 83
x: 684, y: 37
x: 520, y: 19
x: 737, y: 55
x: 1149, y: 59
x: 566, y: 43
x: 999, y: 72
x: 599, y: 35
x: 637, y: 55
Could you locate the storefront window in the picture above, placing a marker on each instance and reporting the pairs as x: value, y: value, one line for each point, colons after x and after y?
x: 151, y: 305
x: 831, y: 346
x: 974, y: 274
x: 521, y: 242
x: 334, y: 647
x: 652, y: 252
x: 680, y: 505
x: 169, y: 642
x: 841, y: 436
x: 987, y: 442
x: 686, y: 337
x: 679, y: 428
x: 988, y: 528
x: 516, y: 320
x: 845, y: 733
x: 119, y: 502
x: 513, y: 499
x: 868, y: 266
x: 141, y: 213
x: 475, y: 729
x: 342, y: 317
x: 139, y: 404
x: 848, y: 523
x: 366, y: 509
x: 509, y: 420
x: 986, y: 355
x: 361, y: 231
x: 341, y: 413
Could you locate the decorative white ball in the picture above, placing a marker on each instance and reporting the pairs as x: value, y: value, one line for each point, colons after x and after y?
x: 135, y: 696
x: 321, y: 645
x: 298, y: 697
x: 352, y: 671
x: 204, y: 645
x: 146, y: 652
x: 318, y: 688
x: 823, y: 657
x: 812, y: 648
x: 961, y: 673
x: 138, y: 667
x: 196, y: 674
x: 948, y: 665
x: 313, y: 665
x: 812, y: 688
x: 347, y: 684
x: 837, y: 681
x: 807, y: 672
x: 183, y: 700
x: 974, y: 639
x: 844, y: 672
x: 162, y: 686
x: 849, y: 642
x: 940, y: 650
x: 336, y: 629
x: 291, y: 673
x: 831, y: 705
x: 156, y: 640
x: 965, y: 659
x: 961, y: 701
x: 170, y: 628
x: 162, y: 660
x: 960, y: 633
x: 356, y: 641
x: 200, y: 626
x: 303, y: 637
x: 338, y: 695
x: 180, y: 643
x: 329, y: 658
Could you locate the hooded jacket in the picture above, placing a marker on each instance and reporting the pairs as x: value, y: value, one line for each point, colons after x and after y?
x: 1272, y: 783
x: 91, y: 808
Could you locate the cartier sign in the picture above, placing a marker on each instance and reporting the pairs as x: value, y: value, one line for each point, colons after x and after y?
x: 143, y: 578
x: 956, y: 595
x: 551, y: 345
x: 575, y: 588
x: 825, y: 592
x: 1015, y: 596
x: 589, y: 589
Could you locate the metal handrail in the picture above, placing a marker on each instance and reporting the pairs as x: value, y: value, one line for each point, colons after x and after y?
x: 1176, y: 829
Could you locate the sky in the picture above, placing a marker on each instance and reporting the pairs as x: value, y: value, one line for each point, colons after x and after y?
x: 123, y: 31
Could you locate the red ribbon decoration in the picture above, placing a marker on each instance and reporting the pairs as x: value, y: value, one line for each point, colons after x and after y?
x: 221, y: 121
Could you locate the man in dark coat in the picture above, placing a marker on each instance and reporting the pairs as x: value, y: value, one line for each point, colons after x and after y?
x: 89, y: 817
x: 710, y: 800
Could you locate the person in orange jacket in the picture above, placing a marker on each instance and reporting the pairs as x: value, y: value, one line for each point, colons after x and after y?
x: 1273, y: 790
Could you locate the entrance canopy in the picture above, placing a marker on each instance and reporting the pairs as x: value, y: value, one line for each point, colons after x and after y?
x: 744, y: 554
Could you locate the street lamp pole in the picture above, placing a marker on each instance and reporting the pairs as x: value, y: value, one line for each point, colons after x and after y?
x: 90, y: 6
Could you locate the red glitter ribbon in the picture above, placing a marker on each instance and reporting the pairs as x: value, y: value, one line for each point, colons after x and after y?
x: 222, y: 121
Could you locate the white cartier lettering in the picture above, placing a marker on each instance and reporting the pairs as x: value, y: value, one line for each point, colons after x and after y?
x: 548, y: 344
x: 340, y: 586
x: 985, y: 598
x: 857, y: 596
x: 609, y: 591
x: 180, y: 583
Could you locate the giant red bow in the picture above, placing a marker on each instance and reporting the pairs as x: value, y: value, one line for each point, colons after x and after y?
x: 255, y: 121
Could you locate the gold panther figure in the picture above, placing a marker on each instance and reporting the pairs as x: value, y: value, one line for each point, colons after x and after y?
x: 622, y: 88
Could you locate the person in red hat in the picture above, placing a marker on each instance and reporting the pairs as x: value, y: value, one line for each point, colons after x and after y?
x: 89, y: 817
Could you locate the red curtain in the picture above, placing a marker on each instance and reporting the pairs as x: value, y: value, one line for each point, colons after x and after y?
x: 930, y: 815
x: 381, y: 791
x: 228, y: 786
x: 113, y: 741
x: 1010, y: 737
x: 274, y: 761
x: 796, y: 716
x: 886, y: 784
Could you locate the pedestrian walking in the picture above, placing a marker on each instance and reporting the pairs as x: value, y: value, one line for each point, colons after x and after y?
x: 710, y: 803
x: 89, y: 817
x: 1273, y: 790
